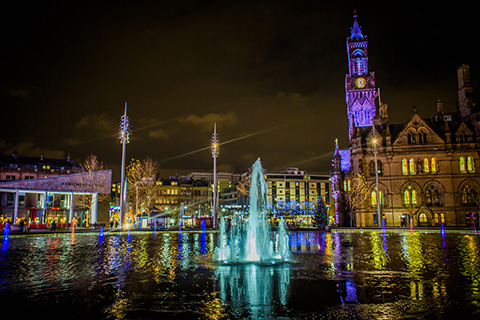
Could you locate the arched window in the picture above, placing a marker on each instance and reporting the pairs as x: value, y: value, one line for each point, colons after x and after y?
x: 433, y: 165
x: 411, y: 166
x: 470, y: 164
x: 373, y: 200
x: 461, y: 163
x: 406, y: 197
x: 432, y: 196
x: 412, y: 137
x: 426, y: 165
x: 436, y: 197
x: 469, y: 196
x: 372, y: 168
x: 422, y: 218
x: 404, y: 166
x: 410, y: 196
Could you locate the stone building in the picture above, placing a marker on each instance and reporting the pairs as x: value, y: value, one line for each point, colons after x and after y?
x: 424, y: 170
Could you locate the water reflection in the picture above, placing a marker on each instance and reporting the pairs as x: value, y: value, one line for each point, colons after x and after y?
x: 252, y: 287
x: 360, y: 275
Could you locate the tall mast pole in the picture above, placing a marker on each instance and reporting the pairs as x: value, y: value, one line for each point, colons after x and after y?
x: 215, y: 152
x: 376, y: 168
x: 124, y: 136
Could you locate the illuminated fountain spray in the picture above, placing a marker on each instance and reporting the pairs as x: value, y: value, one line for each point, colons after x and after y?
x: 250, y: 240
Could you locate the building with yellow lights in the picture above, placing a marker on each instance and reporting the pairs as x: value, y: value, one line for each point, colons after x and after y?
x: 422, y: 173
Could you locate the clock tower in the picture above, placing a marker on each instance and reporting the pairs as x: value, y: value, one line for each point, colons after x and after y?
x: 359, y: 82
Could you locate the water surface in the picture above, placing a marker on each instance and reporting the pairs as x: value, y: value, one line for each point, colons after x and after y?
x: 338, y: 275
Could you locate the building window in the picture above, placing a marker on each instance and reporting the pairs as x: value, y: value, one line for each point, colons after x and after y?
x: 470, y: 164
x: 461, y: 163
x: 412, y: 138
x: 379, y: 168
x: 373, y: 200
x: 433, y: 165
x: 411, y: 166
x: 410, y: 196
x: 432, y: 196
x: 422, y: 137
x: 439, y: 218
x: 404, y: 166
x: 426, y: 165
x: 469, y: 196
x: 422, y: 218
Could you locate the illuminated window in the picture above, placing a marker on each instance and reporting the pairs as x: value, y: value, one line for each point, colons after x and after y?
x: 404, y: 166
x: 461, y: 163
x: 433, y: 165
x: 470, y: 164
x: 406, y: 197
x: 410, y: 196
x: 411, y: 166
x: 414, y: 196
x: 373, y: 200
x: 426, y: 165
x: 422, y: 218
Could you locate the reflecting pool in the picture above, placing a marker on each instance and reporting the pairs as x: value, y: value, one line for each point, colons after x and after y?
x: 337, y: 275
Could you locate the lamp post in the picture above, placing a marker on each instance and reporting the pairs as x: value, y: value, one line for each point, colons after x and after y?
x: 124, y: 137
x: 376, y: 176
x: 215, y: 151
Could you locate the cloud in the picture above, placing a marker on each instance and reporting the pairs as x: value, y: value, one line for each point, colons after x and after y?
x: 73, y: 141
x: 206, y: 121
x: 27, y: 148
x: 157, y: 134
x: 25, y: 94
x: 99, y: 122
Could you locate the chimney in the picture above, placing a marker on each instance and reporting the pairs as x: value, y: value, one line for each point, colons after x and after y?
x: 41, y: 156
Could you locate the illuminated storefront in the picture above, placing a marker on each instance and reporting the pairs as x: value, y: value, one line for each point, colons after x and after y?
x: 39, y: 202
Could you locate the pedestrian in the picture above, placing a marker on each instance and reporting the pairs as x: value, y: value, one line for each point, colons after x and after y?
x: 21, y: 225
x: 53, y: 227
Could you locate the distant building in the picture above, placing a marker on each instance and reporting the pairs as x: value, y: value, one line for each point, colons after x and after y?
x: 294, y: 184
x: 224, y: 179
x: 426, y: 168
x: 16, y: 167
x: 58, y: 198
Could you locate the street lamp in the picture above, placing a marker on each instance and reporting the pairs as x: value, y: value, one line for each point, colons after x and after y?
x: 124, y: 137
x: 376, y: 176
x: 215, y: 151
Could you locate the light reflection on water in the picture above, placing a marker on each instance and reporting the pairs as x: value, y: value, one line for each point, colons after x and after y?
x: 359, y: 275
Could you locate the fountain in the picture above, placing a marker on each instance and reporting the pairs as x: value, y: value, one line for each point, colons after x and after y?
x: 249, y: 239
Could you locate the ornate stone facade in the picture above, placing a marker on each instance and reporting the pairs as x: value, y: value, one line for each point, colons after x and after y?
x: 426, y: 169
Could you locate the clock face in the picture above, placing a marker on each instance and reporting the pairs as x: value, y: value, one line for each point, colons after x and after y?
x: 360, y: 82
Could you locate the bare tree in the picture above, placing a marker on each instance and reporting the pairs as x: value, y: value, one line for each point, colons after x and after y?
x: 142, y: 178
x: 92, y: 180
x: 355, y: 193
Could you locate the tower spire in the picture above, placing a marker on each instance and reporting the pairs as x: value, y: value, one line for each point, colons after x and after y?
x: 356, y: 30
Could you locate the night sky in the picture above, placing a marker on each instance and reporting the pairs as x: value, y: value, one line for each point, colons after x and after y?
x: 269, y: 73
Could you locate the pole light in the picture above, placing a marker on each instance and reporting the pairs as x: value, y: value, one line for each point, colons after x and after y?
x: 376, y: 177
x: 215, y: 152
x: 124, y: 137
